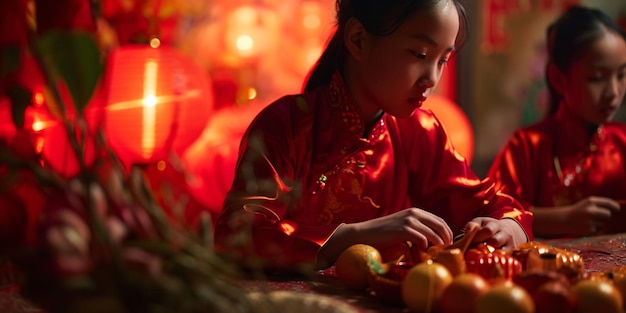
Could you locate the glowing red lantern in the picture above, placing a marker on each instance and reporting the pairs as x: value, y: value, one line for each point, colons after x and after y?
x: 157, y: 101
x: 52, y: 143
x: 456, y: 123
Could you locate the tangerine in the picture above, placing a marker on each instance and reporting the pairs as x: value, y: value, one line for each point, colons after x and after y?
x: 597, y: 295
x: 463, y: 293
x: 505, y: 297
x: 423, y: 286
x: 620, y: 283
x: 353, y: 265
x: 554, y: 296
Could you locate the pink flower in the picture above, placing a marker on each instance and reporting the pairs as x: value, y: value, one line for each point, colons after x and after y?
x: 69, y: 241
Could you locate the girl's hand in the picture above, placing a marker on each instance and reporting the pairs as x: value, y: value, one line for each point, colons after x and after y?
x: 414, y: 225
x: 418, y: 226
x: 504, y: 234
x: 589, y: 215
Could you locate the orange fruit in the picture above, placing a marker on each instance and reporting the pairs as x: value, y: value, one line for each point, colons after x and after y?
x: 620, y: 282
x: 453, y: 260
x: 505, y: 297
x: 597, y: 295
x: 463, y: 293
x: 353, y: 265
x: 554, y: 296
x: 423, y: 286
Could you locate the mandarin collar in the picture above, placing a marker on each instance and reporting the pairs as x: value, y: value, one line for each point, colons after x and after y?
x: 345, y: 108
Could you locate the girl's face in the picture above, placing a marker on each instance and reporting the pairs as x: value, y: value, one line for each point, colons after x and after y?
x: 396, y: 73
x: 594, y: 86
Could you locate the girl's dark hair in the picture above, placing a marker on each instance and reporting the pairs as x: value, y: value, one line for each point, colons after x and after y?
x: 569, y: 36
x: 379, y: 17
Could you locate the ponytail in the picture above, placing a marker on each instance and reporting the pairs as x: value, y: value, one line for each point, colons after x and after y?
x: 331, y: 60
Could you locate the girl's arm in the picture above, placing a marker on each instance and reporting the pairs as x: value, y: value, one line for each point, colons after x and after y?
x: 443, y: 183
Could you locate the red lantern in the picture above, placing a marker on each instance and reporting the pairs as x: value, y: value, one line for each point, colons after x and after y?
x: 157, y: 101
x: 456, y: 123
x: 52, y: 143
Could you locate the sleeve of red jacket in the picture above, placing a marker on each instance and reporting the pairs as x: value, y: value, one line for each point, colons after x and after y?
x: 507, y: 170
x: 252, y: 226
x: 442, y: 182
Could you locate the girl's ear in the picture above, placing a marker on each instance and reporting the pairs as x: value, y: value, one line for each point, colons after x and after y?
x: 355, y: 38
x: 556, y: 77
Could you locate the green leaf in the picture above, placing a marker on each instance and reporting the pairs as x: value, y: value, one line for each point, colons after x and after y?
x: 20, y: 98
x: 376, y: 266
x: 10, y: 60
x: 74, y: 58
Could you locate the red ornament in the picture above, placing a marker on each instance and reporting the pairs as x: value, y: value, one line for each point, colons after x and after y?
x: 491, y: 263
x: 157, y: 101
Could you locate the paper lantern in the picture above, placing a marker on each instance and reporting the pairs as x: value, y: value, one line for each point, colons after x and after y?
x: 456, y: 123
x: 52, y: 143
x: 157, y: 101
x: 28, y: 77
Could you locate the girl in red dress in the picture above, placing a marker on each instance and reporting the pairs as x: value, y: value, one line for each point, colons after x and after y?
x: 568, y: 169
x: 354, y: 159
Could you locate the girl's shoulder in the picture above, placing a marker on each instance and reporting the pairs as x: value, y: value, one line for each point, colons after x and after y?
x: 288, y: 111
x: 296, y: 104
x: 616, y: 126
x: 422, y: 119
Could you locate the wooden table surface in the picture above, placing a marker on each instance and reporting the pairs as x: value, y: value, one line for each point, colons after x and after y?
x: 600, y: 253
